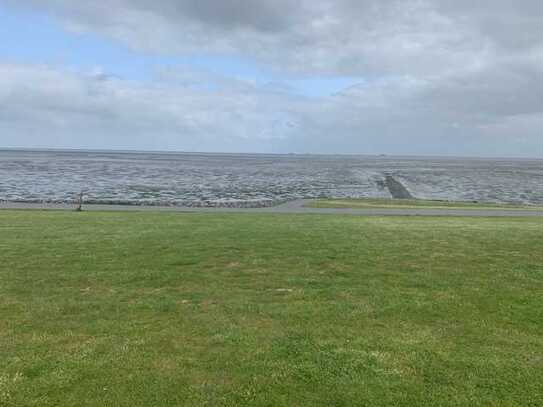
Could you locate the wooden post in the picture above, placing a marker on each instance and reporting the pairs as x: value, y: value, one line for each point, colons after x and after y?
x: 79, y: 207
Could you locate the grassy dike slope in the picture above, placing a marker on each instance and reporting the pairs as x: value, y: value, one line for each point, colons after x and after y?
x: 155, y: 309
x: 377, y: 203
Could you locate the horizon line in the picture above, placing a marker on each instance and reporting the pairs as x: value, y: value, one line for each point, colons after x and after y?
x: 376, y: 155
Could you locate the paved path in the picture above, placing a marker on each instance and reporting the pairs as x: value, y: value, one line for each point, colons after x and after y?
x: 295, y: 207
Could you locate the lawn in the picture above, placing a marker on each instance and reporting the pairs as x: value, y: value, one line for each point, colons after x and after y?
x: 377, y: 203
x: 168, y: 309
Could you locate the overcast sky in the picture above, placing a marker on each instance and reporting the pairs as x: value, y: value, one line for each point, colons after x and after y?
x: 422, y: 77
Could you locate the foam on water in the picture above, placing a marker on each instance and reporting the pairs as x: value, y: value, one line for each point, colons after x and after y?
x: 176, y: 179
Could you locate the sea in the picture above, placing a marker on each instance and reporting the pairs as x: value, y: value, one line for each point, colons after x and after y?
x: 156, y: 178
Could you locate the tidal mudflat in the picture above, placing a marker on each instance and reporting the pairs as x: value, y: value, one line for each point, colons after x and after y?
x: 219, y: 179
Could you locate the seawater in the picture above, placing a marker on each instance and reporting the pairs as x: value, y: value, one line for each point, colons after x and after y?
x: 183, y: 178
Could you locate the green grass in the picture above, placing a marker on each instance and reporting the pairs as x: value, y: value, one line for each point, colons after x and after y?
x: 157, y: 309
x: 376, y: 203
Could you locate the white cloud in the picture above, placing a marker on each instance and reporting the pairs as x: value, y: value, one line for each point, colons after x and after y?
x: 393, y: 116
x: 86, y: 109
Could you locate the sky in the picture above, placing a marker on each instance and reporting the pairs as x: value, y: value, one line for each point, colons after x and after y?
x: 403, y: 77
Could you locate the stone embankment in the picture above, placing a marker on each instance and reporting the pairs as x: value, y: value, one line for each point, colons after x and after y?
x: 254, y: 204
x: 396, y: 188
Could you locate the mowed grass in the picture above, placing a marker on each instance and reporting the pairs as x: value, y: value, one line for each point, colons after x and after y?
x: 378, y: 203
x: 156, y: 309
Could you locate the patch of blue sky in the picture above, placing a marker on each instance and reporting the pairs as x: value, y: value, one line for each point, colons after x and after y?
x: 38, y: 39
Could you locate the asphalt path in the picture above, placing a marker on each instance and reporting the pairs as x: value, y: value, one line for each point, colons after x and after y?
x: 293, y: 207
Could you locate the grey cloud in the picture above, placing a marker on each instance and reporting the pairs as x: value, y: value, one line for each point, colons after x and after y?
x: 229, y: 14
x: 354, y: 37
x: 310, y: 36
x: 508, y: 24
